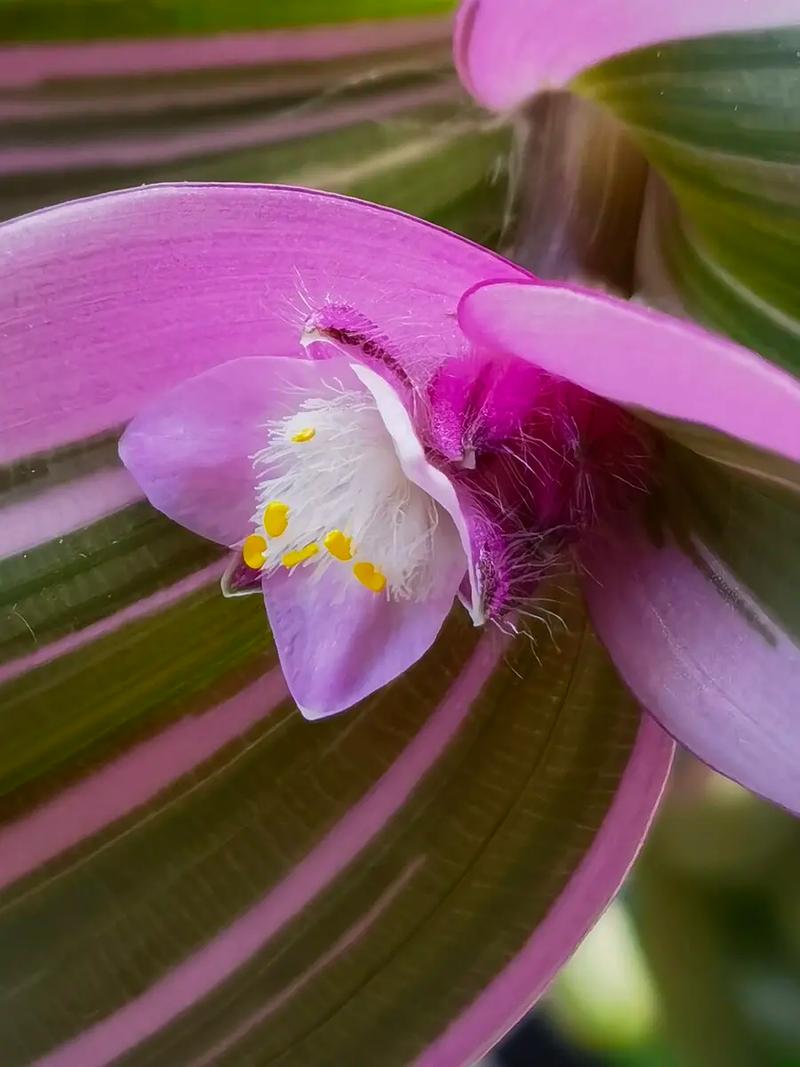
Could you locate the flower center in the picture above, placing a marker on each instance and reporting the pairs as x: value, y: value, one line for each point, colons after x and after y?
x: 332, y: 494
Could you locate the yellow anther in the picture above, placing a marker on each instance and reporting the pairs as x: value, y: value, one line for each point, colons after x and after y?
x: 302, y: 436
x: 275, y: 520
x: 339, y: 545
x: 291, y: 559
x: 369, y: 576
x: 254, y: 551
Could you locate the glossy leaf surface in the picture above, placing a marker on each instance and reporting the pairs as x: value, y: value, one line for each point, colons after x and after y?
x: 191, y: 872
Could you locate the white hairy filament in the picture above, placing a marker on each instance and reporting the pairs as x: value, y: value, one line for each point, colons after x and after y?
x: 346, y: 477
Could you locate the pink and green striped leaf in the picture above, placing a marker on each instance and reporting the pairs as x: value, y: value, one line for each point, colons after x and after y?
x: 190, y: 872
x: 365, y: 103
x: 697, y: 601
x: 710, y: 92
x: 717, y: 117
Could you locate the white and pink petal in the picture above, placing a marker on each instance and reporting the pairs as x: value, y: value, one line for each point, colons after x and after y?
x: 191, y: 449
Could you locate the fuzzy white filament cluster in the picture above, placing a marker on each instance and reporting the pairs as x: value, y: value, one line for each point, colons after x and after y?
x: 345, y: 476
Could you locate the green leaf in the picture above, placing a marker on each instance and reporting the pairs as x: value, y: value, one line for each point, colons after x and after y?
x: 719, y: 118
x: 442, y: 826
x: 386, y: 120
x: 751, y: 525
x: 728, y: 451
x: 48, y: 20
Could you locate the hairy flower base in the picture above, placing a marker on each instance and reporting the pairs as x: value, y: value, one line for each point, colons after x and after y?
x: 535, y: 461
x: 366, y: 487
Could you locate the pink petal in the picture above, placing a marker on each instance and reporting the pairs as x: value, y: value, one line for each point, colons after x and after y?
x: 136, y: 291
x: 694, y: 659
x: 190, y: 449
x: 640, y: 358
x: 338, y: 642
x: 508, y: 50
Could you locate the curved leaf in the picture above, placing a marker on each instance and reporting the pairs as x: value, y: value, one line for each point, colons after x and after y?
x: 191, y: 872
x: 699, y: 618
x: 711, y: 94
x: 241, y: 883
x: 729, y: 451
x: 699, y: 609
x: 718, y: 118
x: 752, y: 528
x: 509, y: 50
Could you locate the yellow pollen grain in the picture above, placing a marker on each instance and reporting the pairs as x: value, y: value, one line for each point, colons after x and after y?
x: 291, y: 559
x: 369, y: 576
x: 302, y: 436
x: 254, y: 551
x: 275, y: 518
x: 339, y: 545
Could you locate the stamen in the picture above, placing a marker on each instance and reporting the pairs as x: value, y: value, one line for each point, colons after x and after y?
x: 339, y: 545
x: 346, y: 495
x: 275, y: 520
x: 291, y: 559
x: 369, y: 576
x: 302, y: 436
x: 254, y: 551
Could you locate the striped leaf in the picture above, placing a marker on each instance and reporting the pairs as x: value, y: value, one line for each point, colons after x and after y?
x: 190, y: 872
x: 370, y: 108
x: 729, y: 452
x: 711, y: 100
x: 193, y: 874
x: 717, y: 117
x: 748, y: 526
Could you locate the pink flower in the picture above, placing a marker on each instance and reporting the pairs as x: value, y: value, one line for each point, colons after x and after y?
x: 419, y: 420
x: 364, y: 492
